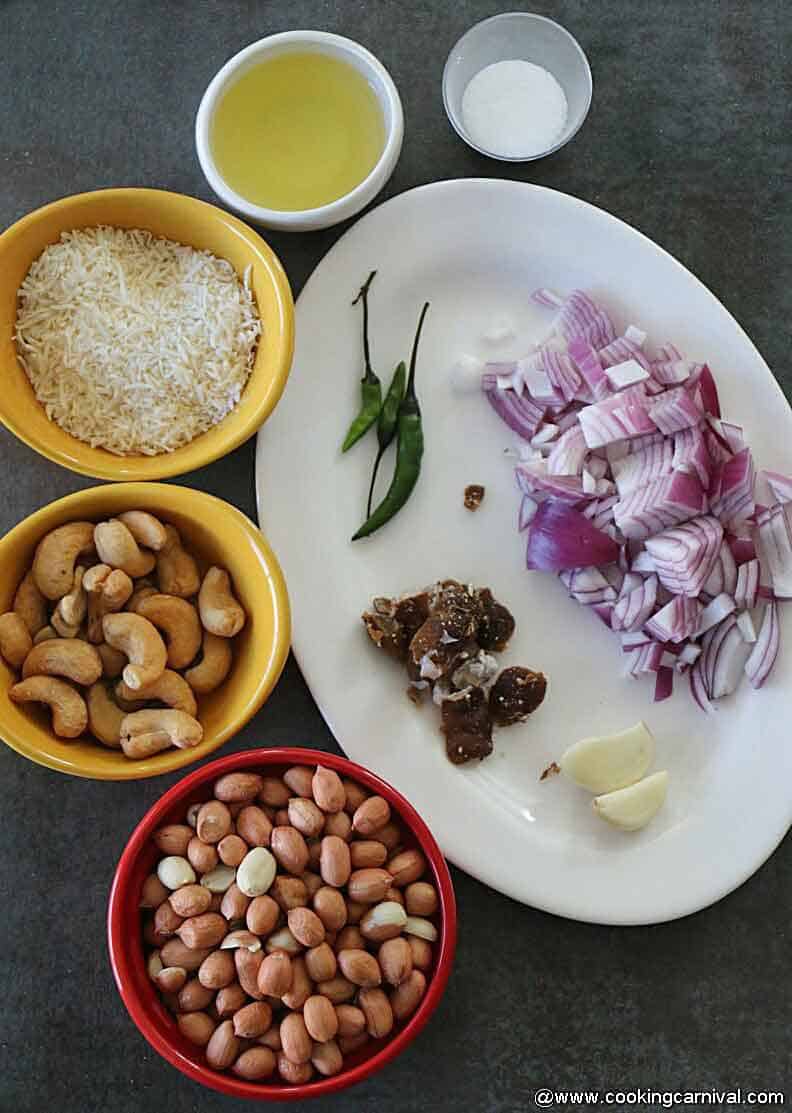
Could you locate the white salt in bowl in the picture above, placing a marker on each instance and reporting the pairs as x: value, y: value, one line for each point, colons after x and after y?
x: 525, y: 37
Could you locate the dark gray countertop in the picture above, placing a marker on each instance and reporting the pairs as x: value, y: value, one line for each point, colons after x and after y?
x: 688, y: 139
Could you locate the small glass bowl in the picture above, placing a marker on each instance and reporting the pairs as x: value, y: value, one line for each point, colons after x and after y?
x: 526, y: 37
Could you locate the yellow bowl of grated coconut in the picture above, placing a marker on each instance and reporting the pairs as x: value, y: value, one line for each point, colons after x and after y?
x: 142, y: 333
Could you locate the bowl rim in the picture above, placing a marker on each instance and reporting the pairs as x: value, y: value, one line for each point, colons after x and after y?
x: 173, y: 760
x: 456, y: 122
x: 333, y: 211
x: 117, y: 935
x: 168, y: 464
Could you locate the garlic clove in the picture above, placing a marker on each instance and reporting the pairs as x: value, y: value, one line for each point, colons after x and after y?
x: 611, y: 761
x: 633, y: 807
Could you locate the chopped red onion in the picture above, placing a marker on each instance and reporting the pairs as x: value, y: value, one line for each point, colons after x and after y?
x: 664, y: 683
x: 643, y: 467
x: 588, y: 364
x: 672, y: 372
x: 568, y: 453
x: 698, y: 686
x: 631, y: 641
x: 684, y: 555
x: 647, y: 658
x: 743, y: 548
x: 776, y: 539
x: 631, y: 611
x: 747, y: 628
x: 532, y: 480
x: 666, y: 502
x: 621, y: 375
x: 765, y: 651
x: 537, y: 383
x: 546, y: 432
x: 588, y: 585
x: 674, y: 410
x: 528, y: 508
x: 731, y: 488
x: 547, y: 298
x: 676, y: 621
x: 723, y: 576
x: 621, y: 350
x: 691, y: 455
x: 715, y: 611
x: 729, y: 662
x: 617, y: 417
x: 747, y: 585
x: 780, y: 485
x: 689, y: 654
x: 581, y: 317
x: 560, y: 538
x: 520, y: 414
x: 561, y: 372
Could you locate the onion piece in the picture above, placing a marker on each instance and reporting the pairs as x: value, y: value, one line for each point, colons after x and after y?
x: 743, y: 548
x: 703, y: 383
x: 715, y: 611
x: 729, y: 661
x: 765, y: 651
x: 622, y: 415
x: 672, y: 372
x: 520, y: 414
x: 547, y: 298
x: 621, y: 350
x: 644, y: 563
x: 581, y: 317
x: 588, y: 364
x: 780, y: 485
x: 528, y: 508
x: 633, y: 640
x: 568, y: 453
x: 746, y: 625
x: 561, y: 538
x: 691, y: 454
x: 776, y: 540
x: 688, y: 656
x: 646, y: 658
x: 588, y: 585
x: 674, y: 410
x: 643, y: 467
x: 621, y: 375
x: 747, y: 585
x: 532, y: 479
x: 684, y: 555
x: 664, y: 683
x: 631, y: 611
x: 666, y: 502
x: 698, y: 686
x: 731, y: 488
x: 676, y: 621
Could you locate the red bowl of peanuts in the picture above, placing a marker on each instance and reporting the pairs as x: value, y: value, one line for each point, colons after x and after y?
x: 281, y: 924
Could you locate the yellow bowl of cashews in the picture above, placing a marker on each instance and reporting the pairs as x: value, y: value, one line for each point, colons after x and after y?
x: 173, y: 216
x: 252, y: 602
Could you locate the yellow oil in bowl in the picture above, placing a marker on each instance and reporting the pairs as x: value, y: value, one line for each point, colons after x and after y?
x: 297, y: 131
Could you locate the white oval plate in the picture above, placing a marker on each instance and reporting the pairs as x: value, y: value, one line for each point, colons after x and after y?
x: 476, y: 249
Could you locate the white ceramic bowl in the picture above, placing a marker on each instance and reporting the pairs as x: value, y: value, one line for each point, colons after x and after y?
x: 337, y: 46
x: 525, y: 37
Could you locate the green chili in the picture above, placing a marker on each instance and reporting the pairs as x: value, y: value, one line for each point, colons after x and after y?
x: 370, y: 386
x: 409, y: 451
x: 387, y: 421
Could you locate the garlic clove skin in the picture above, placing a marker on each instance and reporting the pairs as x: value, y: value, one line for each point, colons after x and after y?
x: 633, y: 807
x: 610, y: 762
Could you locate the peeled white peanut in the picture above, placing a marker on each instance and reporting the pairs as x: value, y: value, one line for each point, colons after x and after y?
x: 612, y: 761
x: 424, y: 929
x: 241, y: 938
x: 154, y: 965
x: 633, y: 807
x: 219, y: 879
x: 175, y: 871
x: 383, y: 921
x: 256, y: 872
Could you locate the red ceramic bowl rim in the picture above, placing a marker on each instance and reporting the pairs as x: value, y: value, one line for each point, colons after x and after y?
x: 121, y: 962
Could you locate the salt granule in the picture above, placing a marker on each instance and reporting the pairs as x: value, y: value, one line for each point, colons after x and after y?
x: 514, y: 109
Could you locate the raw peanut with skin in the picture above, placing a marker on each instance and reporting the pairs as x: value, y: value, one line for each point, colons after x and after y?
x: 334, y: 863
x: 354, y: 795
x: 371, y: 816
x: 321, y: 963
x: 206, y: 930
x: 299, y: 778
x: 15, y: 639
x: 275, y: 975
x: 384, y: 921
x: 407, y: 995
x: 395, y: 960
x: 395, y: 895
x: 312, y: 882
x: 235, y: 787
x: 297, y: 1044
x: 306, y: 927
x: 194, y: 997
x: 255, y: 1063
x: 289, y: 892
x: 390, y: 836
x: 214, y: 822
x: 289, y: 848
x: 175, y: 871
x: 235, y: 809
x: 174, y: 838
x: 232, y: 850
x: 201, y: 855
x: 229, y: 1000
x: 349, y: 1044
x: 327, y: 789
x: 351, y: 1020
x: 337, y: 989
x: 253, y: 826
x: 330, y: 907
x: 196, y: 1027
x: 171, y: 978
x: 305, y: 816
x: 301, y: 988
x: 215, y: 900
x: 406, y: 867
x: 166, y: 920
x: 235, y: 904
x: 152, y: 936
x: 378, y: 1012
x: 367, y: 854
x: 368, y: 886
x: 350, y: 939
x: 281, y: 818
x: 217, y: 970
x: 274, y: 792
x: 359, y: 967
x: 261, y: 915
x: 224, y: 1046
x: 420, y: 899
x: 192, y: 814
x: 320, y: 1018
x: 252, y: 1020
x: 283, y: 940
x: 314, y: 852
x: 297, y: 1074
x: 152, y: 892
x: 355, y: 911
x: 327, y: 1058
x: 271, y: 1038
x: 248, y: 965
x: 339, y: 824
x: 220, y: 879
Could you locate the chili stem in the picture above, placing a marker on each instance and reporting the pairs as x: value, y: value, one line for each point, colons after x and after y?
x: 363, y: 295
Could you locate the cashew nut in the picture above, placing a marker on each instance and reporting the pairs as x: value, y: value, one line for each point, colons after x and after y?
x: 72, y: 607
x: 179, y: 622
x: 213, y: 668
x: 56, y: 555
x: 30, y: 605
x: 148, y: 732
x: 113, y: 660
x: 142, y: 644
x: 117, y: 547
x: 45, y: 633
x: 62, y: 628
x: 108, y: 590
x: 104, y: 715
x: 139, y: 593
x: 15, y: 639
x: 177, y: 571
x: 171, y: 688
x: 69, y: 657
x: 145, y: 528
x: 220, y: 613
x: 69, y: 713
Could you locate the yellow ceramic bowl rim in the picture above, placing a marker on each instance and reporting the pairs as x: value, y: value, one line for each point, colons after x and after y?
x: 187, y: 502
x: 233, y: 430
